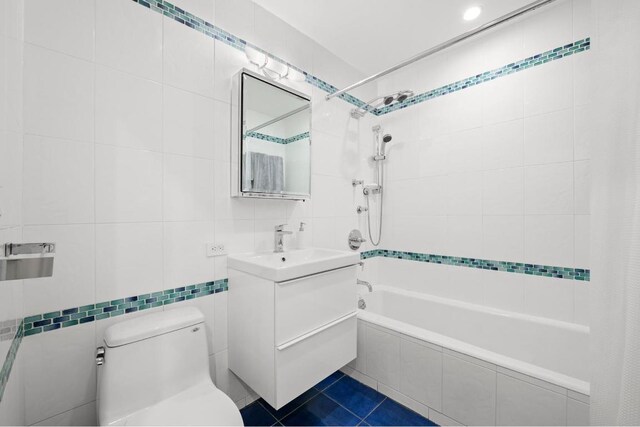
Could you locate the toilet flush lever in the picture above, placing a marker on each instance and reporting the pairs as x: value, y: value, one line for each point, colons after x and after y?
x: 100, y: 356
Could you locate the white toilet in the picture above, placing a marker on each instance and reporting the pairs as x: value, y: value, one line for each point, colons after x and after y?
x: 154, y: 370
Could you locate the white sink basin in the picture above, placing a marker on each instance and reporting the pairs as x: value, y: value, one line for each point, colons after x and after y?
x: 288, y: 265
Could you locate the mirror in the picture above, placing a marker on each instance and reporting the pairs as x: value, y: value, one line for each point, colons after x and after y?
x: 272, y: 145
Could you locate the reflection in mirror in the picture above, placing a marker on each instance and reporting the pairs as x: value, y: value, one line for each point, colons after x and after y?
x: 275, y: 140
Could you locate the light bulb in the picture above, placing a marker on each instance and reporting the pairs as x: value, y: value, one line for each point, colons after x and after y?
x: 255, y: 56
x: 472, y: 13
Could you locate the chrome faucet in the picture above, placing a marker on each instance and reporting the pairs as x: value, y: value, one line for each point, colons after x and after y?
x: 278, y: 238
x: 365, y: 283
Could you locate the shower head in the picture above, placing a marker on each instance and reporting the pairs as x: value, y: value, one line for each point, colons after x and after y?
x: 381, y: 101
x: 387, y: 138
x: 403, y: 95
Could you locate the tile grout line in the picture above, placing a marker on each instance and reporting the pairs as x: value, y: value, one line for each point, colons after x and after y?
x: 343, y: 407
x: 377, y: 406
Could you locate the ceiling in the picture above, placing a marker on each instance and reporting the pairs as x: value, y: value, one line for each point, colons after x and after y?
x: 373, y: 35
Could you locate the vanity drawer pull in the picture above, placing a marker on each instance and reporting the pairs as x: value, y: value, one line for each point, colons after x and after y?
x: 316, y: 331
x: 324, y: 273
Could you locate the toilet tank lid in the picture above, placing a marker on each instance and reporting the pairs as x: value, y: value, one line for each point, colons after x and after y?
x: 151, y: 325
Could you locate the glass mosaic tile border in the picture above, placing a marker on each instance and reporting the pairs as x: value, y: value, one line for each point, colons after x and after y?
x: 7, y: 366
x: 53, y: 320
x: 179, y: 15
x: 277, y: 140
x: 515, y: 67
x: 570, y: 273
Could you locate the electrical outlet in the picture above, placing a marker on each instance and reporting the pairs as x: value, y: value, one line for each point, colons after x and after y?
x: 214, y: 249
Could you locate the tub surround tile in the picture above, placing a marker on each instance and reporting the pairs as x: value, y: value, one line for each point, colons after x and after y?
x: 468, y: 392
x: 402, y: 399
x: 383, y: 356
x: 421, y: 373
x: 578, y: 396
x: 577, y: 413
x: 531, y: 380
x: 476, y: 392
x: 521, y: 403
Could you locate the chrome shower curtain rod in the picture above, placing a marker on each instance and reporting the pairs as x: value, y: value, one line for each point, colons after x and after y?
x: 489, y: 25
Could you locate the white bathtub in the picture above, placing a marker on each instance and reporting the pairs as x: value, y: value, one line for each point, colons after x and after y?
x: 470, y: 363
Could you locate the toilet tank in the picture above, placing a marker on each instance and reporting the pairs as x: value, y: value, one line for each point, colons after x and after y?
x: 149, y: 359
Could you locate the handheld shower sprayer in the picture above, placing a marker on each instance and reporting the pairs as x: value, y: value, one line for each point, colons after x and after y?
x: 381, y: 141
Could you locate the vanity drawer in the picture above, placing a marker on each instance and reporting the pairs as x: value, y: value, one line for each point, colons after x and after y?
x: 307, y: 303
x: 303, y: 362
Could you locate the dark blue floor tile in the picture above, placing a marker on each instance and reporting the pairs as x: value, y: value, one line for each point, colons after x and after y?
x: 289, y: 407
x: 321, y: 411
x: 329, y: 380
x: 256, y: 415
x: 355, y: 396
x: 364, y: 423
x: 391, y: 413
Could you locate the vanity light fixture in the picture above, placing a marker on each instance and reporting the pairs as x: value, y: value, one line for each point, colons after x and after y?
x: 275, y: 70
x: 472, y: 13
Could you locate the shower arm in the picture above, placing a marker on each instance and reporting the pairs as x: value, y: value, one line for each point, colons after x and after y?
x: 489, y: 25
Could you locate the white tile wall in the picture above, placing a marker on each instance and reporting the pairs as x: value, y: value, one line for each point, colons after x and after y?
x: 129, y: 38
x: 11, y: 188
x: 58, y: 181
x: 502, y: 168
x: 58, y: 103
x: 127, y: 165
x: 128, y: 110
x: 66, y: 26
x: 128, y: 185
x: 188, y: 59
x: 69, y: 366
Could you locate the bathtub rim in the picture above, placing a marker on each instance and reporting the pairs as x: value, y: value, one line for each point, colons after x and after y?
x: 499, y: 360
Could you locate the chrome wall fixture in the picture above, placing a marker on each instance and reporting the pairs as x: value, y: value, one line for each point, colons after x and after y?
x: 26, y: 260
x: 370, y: 190
x: 381, y: 101
x: 485, y: 27
x: 355, y: 240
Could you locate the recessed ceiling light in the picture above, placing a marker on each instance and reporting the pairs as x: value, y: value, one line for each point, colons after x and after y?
x: 472, y: 13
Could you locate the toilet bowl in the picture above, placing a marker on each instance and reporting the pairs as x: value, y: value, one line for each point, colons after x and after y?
x: 154, y: 370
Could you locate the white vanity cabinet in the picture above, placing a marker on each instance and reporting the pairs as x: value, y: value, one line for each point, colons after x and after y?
x: 285, y: 337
